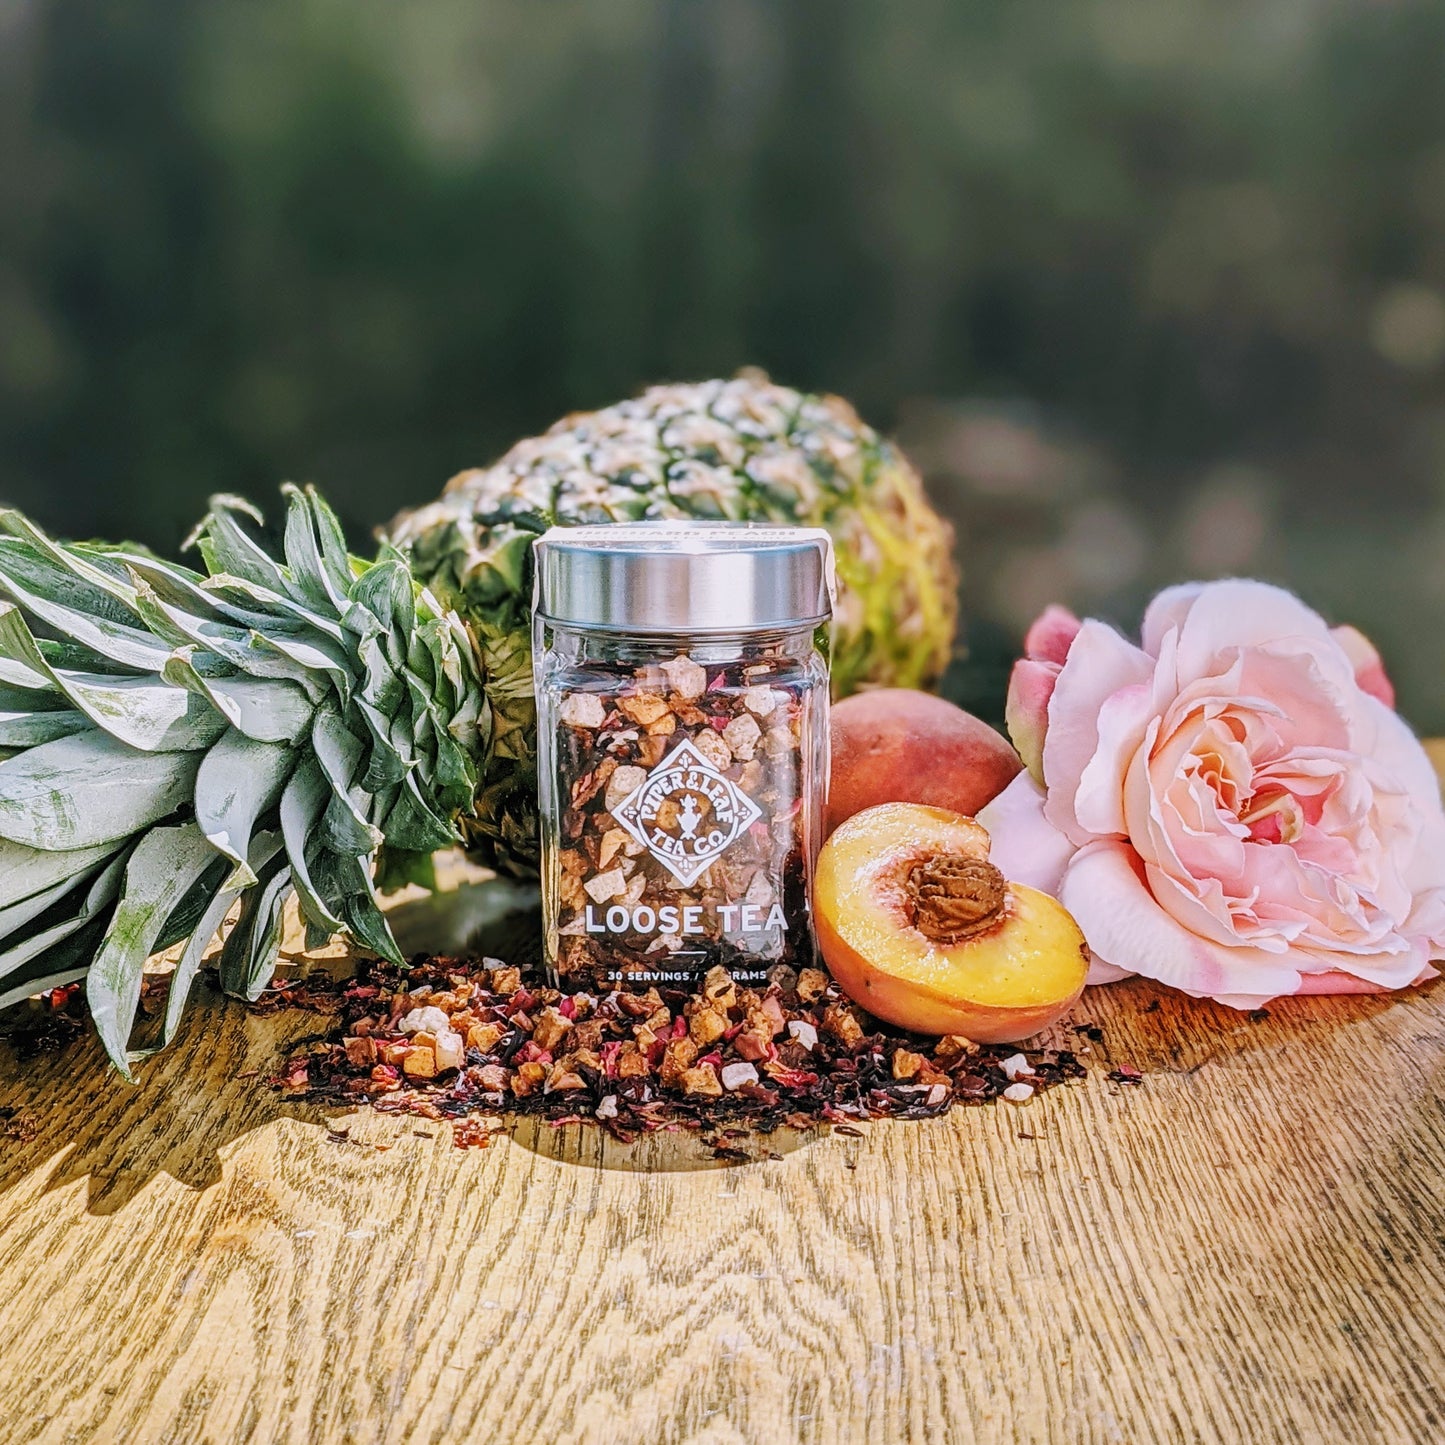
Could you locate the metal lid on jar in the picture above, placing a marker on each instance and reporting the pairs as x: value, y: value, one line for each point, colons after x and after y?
x: 684, y: 576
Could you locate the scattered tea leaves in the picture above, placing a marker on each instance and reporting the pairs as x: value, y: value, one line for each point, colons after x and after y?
x: 726, y: 1062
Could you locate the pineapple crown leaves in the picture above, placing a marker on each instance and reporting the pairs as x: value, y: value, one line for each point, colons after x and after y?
x: 175, y: 745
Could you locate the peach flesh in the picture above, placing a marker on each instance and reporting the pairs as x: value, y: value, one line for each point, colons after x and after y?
x: 1018, y: 974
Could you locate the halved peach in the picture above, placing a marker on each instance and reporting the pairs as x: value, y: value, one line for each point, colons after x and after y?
x: 921, y: 929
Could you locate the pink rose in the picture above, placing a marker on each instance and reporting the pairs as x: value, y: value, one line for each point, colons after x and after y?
x: 1233, y: 808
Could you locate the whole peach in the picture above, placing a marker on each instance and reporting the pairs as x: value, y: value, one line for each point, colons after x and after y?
x: 895, y: 745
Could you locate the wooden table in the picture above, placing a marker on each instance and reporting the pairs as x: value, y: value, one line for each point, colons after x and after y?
x: 1246, y: 1247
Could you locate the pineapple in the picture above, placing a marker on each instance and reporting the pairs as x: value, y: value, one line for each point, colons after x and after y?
x: 175, y: 746
x: 743, y: 449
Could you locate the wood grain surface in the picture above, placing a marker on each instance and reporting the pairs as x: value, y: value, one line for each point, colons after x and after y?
x: 1246, y: 1247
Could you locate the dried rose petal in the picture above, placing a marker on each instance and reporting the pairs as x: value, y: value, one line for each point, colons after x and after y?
x: 803, y: 1032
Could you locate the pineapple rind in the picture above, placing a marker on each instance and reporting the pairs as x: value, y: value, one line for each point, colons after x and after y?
x: 744, y: 449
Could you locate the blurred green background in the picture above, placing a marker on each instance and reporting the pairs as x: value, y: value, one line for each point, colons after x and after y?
x: 1149, y: 288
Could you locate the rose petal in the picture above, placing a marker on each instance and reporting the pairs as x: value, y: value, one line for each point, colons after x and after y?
x: 1336, y: 982
x: 1025, y: 846
x: 1325, y: 983
x: 1123, y: 724
x: 1369, y: 668
x: 1385, y: 737
x: 1101, y: 972
x: 1235, y: 614
x: 1393, y: 970
x: 1164, y: 614
x: 1125, y: 926
x: 1100, y: 663
x: 1026, y: 714
x: 1051, y: 635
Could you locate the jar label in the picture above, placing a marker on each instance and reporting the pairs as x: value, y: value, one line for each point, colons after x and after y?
x: 686, y: 813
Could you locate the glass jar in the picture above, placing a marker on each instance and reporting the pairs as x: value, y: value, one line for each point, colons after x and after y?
x: 682, y: 748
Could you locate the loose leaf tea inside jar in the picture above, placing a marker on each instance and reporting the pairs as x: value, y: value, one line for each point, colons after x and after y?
x: 682, y: 694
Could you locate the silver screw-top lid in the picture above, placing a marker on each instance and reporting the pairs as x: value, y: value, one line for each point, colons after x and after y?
x: 713, y: 577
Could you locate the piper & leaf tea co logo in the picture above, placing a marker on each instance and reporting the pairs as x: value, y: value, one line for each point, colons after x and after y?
x: 686, y: 813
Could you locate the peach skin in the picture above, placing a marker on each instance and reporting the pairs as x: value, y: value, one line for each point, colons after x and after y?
x: 894, y: 745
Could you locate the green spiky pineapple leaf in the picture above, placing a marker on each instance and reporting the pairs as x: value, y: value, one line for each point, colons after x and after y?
x: 178, y: 747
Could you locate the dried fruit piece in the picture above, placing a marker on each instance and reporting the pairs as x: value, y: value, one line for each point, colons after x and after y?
x: 679, y: 1057
x: 484, y: 1037
x: 360, y: 1053
x: 712, y: 746
x: 551, y: 1028
x: 563, y: 1078
x: 841, y: 1024
x: 736, y: 1075
x: 644, y: 707
x: 754, y: 1041
x: 953, y: 1046
x: 719, y: 989
x: 741, y: 735
x: 423, y: 1020
x: 583, y: 710
x: 450, y: 1051
x: 803, y: 1033
x: 706, y: 1025
x: 906, y: 1064
x: 812, y: 985
x: 505, y: 981
x: 762, y: 701
x: 419, y: 1062
x: 702, y: 1080
x: 686, y: 678
x: 624, y: 780
x: 632, y: 1062
x: 603, y: 887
